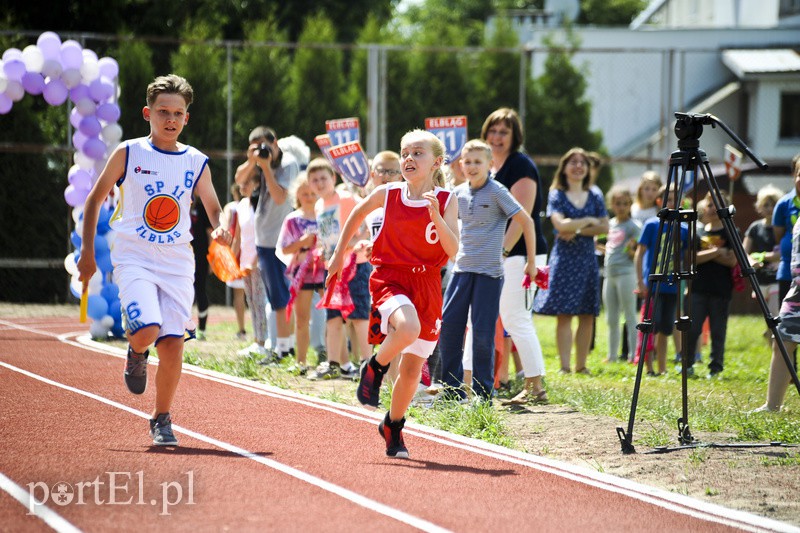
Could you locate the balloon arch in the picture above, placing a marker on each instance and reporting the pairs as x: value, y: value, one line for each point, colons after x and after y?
x: 59, y: 71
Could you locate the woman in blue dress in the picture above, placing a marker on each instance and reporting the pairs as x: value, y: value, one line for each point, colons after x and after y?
x: 578, y: 213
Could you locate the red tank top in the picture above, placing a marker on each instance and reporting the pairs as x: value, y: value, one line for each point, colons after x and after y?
x: 407, y: 237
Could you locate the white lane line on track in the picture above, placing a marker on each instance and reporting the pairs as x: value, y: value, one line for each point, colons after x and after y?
x: 332, y: 488
x: 44, y: 513
x: 655, y: 496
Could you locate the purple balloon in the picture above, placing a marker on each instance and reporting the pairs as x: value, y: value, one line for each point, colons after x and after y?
x: 50, y: 45
x: 33, y: 82
x: 90, y: 126
x: 108, y: 67
x: 75, y: 196
x: 81, y: 179
x: 108, y: 112
x: 14, y: 69
x: 94, y: 148
x: 5, y: 104
x: 101, y: 90
x: 71, y: 54
x: 78, y: 93
x: 79, y: 139
x: 55, y: 92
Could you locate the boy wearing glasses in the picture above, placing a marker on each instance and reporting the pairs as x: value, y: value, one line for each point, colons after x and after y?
x: 385, y: 169
x: 484, y: 207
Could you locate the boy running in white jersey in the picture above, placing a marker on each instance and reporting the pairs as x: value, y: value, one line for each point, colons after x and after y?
x: 153, y: 262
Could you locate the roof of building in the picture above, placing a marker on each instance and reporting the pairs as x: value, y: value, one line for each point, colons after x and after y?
x: 747, y: 63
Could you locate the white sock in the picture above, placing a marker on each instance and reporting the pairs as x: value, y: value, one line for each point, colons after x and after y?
x: 284, y: 344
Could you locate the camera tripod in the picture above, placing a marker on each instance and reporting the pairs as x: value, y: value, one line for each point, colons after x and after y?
x: 671, y: 264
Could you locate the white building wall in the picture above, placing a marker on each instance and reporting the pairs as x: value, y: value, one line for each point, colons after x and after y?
x: 633, y: 86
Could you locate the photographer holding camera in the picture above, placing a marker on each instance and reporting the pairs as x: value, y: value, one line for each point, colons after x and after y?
x: 277, y: 170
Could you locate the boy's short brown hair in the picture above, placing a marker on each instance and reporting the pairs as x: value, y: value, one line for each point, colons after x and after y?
x: 320, y: 163
x: 477, y: 145
x: 170, y: 84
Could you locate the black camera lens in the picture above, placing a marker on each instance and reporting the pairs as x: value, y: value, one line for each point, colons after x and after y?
x: 264, y: 151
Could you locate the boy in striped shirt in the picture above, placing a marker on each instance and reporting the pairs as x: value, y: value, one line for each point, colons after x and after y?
x: 484, y: 207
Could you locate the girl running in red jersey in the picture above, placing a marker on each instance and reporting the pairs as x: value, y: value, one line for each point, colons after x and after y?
x: 418, y: 235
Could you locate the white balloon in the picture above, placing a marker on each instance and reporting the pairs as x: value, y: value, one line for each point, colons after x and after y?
x: 89, y: 55
x: 70, y: 265
x: 3, y: 79
x: 98, y: 330
x: 112, y: 133
x: 107, y: 321
x: 79, y: 227
x: 86, y: 106
x: 89, y: 70
x: 15, y: 90
x: 33, y: 58
x: 52, y: 68
x: 12, y: 53
x: 77, y: 211
x: 110, y: 236
x: 75, y: 284
x: 96, y: 283
x: 83, y: 160
x: 71, y: 77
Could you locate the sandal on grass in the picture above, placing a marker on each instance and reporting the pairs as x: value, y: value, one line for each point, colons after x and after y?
x: 527, y: 397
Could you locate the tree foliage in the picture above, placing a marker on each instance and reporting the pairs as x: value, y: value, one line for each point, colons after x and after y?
x: 609, y: 12
x: 288, y: 73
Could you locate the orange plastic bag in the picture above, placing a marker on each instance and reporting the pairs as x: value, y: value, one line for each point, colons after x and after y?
x: 223, y: 263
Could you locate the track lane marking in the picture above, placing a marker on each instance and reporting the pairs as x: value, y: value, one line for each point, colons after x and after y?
x: 659, y: 497
x: 42, y: 512
x: 334, y: 489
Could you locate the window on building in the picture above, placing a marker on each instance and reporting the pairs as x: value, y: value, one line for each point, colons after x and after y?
x: 790, y: 116
x: 789, y: 8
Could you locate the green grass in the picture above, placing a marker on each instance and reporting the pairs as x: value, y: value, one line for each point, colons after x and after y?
x: 721, y: 405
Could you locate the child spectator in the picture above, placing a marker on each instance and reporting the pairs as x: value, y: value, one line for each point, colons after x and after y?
x: 619, y: 288
x: 332, y: 209
x: 788, y: 328
x: 229, y: 219
x: 786, y: 213
x: 419, y: 233
x: 663, y: 313
x: 712, y: 287
x: 244, y: 245
x: 153, y: 265
x: 646, y: 205
x: 305, y: 270
x: 484, y: 207
x: 759, y: 243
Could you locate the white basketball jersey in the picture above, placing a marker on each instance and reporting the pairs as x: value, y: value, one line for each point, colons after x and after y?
x: 156, y: 193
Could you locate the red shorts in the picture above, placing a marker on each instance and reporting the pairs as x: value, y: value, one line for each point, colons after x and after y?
x: 392, y: 287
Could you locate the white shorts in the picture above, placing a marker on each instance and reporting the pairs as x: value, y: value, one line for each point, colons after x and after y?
x: 420, y: 347
x: 156, y: 292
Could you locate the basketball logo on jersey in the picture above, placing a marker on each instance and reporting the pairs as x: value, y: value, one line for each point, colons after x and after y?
x: 162, y: 213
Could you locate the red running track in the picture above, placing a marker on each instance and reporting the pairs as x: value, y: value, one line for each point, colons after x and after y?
x: 254, y: 458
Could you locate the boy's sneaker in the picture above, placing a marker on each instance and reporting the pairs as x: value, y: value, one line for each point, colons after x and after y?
x: 369, y: 386
x: 350, y: 371
x: 136, y: 371
x: 255, y: 349
x: 326, y: 370
x: 161, y: 431
x: 392, y: 432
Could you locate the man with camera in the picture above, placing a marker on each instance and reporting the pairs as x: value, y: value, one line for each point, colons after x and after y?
x: 278, y: 170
